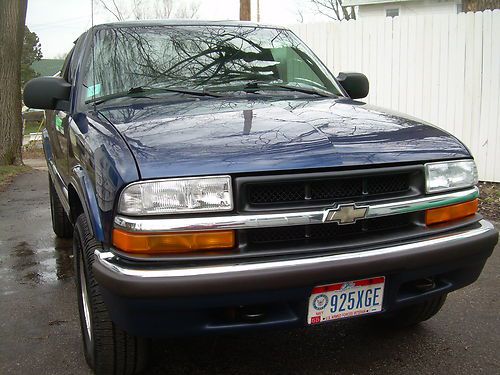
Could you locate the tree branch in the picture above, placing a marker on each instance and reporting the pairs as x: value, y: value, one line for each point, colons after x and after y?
x: 334, y: 9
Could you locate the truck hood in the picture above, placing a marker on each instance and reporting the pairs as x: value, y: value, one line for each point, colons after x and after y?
x: 221, y: 136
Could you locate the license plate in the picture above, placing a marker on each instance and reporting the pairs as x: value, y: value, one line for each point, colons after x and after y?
x: 345, y: 300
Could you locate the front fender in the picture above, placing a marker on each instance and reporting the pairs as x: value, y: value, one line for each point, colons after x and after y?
x: 84, y: 188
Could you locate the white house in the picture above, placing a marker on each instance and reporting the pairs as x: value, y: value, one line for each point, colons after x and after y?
x: 393, y: 8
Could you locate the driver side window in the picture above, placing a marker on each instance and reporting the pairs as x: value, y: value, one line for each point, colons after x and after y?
x: 65, y: 71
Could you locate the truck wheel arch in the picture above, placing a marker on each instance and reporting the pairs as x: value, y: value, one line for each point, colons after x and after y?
x: 75, y: 204
x: 82, y: 199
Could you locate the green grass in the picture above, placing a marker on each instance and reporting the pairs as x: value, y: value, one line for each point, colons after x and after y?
x: 8, y: 172
x: 32, y: 127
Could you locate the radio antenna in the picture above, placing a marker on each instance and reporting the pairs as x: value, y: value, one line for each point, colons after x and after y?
x: 93, y: 59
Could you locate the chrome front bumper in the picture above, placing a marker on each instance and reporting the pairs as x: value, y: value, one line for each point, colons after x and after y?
x: 461, y: 239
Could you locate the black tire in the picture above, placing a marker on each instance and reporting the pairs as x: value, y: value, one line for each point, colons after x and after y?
x: 108, y: 349
x: 415, y: 314
x: 60, y: 223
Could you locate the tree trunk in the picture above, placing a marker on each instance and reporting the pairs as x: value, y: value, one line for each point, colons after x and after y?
x: 245, y: 10
x: 12, y: 18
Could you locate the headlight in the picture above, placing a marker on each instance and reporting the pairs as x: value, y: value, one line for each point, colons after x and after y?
x: 178, y: 195
x: 450, y: 175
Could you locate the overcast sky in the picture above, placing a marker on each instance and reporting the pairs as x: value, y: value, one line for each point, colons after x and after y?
x: 59, y: 22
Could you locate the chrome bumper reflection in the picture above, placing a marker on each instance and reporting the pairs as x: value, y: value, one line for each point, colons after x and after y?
x: 111, y: 262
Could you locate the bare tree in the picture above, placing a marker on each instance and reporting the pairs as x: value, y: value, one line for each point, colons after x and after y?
x: 334, y: 9
x: 164, y: 8
x: 188, y: 10
x: 143, y: 9
x: 12, y: 18
x: 245, y: 12
x: 138, y: 10
x: 112, y: 8
x: 190, y: 57
x: 300, y: 16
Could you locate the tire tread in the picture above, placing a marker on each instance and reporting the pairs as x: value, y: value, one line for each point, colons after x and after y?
x: 115, y: 351
x: 60, y: 222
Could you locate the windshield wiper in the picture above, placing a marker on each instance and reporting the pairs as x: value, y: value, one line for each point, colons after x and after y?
x: 306, y: 90
x: 178, y: 90
x: 135, y: 91
x: 256, y: 85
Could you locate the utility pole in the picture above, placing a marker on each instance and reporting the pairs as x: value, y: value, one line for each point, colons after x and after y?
x: 245, y: 13
x: 258, y: 10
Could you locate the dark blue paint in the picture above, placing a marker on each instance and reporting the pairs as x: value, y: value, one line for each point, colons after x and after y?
x: 219, y: 136
x: 101, y: 164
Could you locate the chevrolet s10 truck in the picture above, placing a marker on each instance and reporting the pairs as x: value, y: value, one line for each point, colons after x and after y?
x: 216, y: 177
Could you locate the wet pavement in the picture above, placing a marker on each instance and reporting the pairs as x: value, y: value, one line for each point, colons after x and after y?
x: 39, y: 331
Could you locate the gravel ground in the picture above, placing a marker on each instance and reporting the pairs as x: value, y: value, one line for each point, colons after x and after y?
x: 39, y: 332
x: 489, y: 202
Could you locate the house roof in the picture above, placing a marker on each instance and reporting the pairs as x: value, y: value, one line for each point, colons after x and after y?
x: 47, y: 67
x: 369, y: 2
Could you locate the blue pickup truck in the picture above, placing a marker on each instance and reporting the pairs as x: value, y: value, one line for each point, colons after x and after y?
x: 216, y: 177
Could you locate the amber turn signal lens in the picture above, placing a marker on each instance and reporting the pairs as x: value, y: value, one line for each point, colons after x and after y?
x: 453, y: 212
x: 169, y: 243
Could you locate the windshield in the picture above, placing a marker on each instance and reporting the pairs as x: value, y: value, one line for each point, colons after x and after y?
x: 215, y: 58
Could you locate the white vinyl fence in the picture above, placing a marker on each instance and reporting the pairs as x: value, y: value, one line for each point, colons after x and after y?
x: 444, y: 69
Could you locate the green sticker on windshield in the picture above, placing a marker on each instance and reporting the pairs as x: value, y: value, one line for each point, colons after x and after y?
x: 93, y: 90
x: 59, y: 124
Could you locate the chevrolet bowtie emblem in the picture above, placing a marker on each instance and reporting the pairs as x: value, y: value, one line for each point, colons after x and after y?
x: 345, y: 213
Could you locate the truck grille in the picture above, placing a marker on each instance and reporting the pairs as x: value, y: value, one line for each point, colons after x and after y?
x: 330, y: 232
x: 319, y: 190
x: 309, y: 191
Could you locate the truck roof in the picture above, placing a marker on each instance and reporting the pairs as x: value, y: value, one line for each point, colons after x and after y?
x: 184, y: 22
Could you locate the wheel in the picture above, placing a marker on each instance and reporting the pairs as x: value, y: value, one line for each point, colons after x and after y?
x: 60, y: 223
x: 108, y: 349
x: 415, y: 314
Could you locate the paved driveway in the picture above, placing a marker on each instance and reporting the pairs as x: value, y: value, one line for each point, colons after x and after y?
x: 39, y: 332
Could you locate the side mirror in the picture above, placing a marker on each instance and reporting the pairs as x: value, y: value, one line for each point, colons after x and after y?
x: 356, y: 84
x: 47, y: 93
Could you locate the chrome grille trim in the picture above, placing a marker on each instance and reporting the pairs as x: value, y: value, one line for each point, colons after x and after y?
x: 245, y: 221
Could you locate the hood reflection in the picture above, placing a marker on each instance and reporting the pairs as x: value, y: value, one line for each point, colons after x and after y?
x: 208, y: 137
